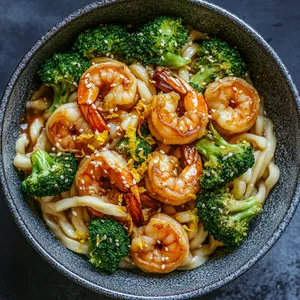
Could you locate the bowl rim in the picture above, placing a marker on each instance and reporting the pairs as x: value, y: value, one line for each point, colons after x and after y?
x: 35, y: 243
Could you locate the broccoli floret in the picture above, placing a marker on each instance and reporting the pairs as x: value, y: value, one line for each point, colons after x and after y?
x: 159, y: 42
x: 62, y: 72
x: 109, y: 243
x: 223, y: 162
x: 50, y: 175
x: 141, y: 150
x: 137, y: 147
x: 105, y: 40
x: 217, y: 59
x: 225, y: 218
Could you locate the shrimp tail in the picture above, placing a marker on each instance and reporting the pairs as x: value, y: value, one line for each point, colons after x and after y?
x: 134, y: 209
x: 149, y: 202
x: 165, y: 80
x: 93, y: 118
x: 190, y: 155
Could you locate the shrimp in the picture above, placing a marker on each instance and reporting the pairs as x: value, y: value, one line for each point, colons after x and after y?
x: 234, y: 104
x: 111, y: 165
x: 64, y: 126
x: 174, y: 122
x: 110, y: 81
x: 160, y: 246
x: 166, y: 185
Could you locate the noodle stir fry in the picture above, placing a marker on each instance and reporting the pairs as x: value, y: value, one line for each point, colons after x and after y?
x: 147, y: 147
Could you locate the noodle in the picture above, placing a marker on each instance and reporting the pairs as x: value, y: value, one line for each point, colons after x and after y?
x: 67, y: 214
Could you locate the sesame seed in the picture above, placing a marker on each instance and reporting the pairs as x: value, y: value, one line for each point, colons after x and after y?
x: 74, y: 213
x: 53, y: 149
x: 163, y: 266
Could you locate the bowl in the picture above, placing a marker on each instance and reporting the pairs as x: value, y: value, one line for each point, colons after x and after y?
x: 272, y: 81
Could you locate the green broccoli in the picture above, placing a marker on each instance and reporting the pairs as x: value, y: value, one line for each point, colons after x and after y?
x: 196, y: 87
x: 217, y: 59
x: 225, y: 218
x: 109, y: 243
x: 138, y: 148
x: 50, y: 175
x: 105, y: 40
x: 62, y: 72
x: 159, y: 42
x: 223, y: 162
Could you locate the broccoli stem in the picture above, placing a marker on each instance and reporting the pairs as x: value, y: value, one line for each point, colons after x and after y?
x: 219, y: 140
x: 208, y: 149
x: 41, y: 160
x: 61, y: 95
x: 247, y: 214
x: 175, y: 61
x: 241, y: 205
x: 205, y: 76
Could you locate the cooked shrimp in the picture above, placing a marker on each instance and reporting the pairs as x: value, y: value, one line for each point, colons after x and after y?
x: 173, y: 121
x: 160, y: 246
x: 110, y: 81
x: 234, y: 104
x: 166, y: 185
x: 149, y: 202
x: 111, y: 165
x: 64, y: 126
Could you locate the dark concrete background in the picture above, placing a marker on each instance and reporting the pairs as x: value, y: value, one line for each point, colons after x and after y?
x: 25, y: 275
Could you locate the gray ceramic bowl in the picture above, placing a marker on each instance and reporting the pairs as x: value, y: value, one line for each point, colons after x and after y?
x: 282, y: 104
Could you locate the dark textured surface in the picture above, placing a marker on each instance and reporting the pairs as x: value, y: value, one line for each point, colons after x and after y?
x: 275, y: 277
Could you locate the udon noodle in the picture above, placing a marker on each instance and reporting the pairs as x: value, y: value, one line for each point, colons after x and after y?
x: 67, y: 215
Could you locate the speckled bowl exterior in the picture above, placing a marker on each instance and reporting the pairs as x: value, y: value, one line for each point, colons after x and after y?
x: 281, y: 102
